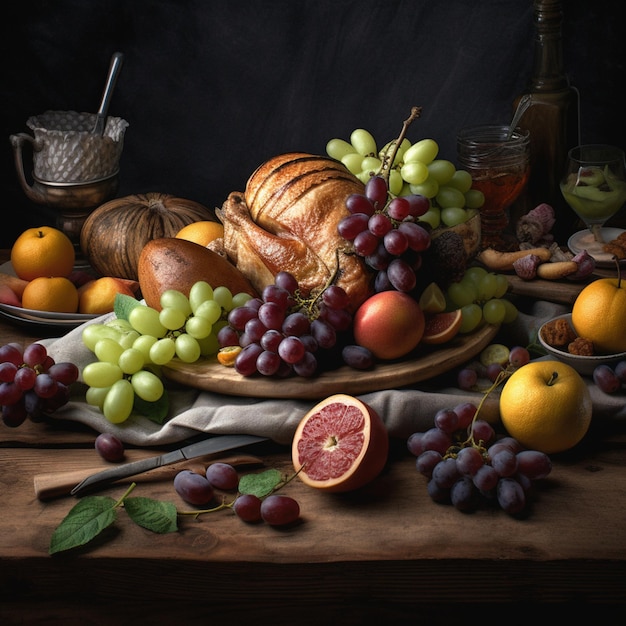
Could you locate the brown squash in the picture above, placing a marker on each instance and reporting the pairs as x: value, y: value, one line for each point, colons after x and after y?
x: 115, y: 233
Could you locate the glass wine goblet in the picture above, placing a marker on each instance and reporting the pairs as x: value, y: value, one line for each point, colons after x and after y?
x: 594, y: 187
x: 497, y: 157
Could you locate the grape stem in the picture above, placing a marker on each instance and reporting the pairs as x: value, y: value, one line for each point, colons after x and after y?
x: 389, y: 158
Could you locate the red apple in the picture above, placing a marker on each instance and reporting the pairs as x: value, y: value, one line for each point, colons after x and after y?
x: 390, y: 324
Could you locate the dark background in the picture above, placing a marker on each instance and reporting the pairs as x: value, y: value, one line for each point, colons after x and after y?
x: 213, y: 88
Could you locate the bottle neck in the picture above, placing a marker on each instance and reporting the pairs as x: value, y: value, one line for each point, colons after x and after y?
x: 549, y: 74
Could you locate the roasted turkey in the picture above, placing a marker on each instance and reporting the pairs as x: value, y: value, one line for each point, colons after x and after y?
x: 287, y: 220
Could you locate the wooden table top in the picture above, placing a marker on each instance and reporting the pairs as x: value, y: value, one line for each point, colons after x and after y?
x: 385, y: 552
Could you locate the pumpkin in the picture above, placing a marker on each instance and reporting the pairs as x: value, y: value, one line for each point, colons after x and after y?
x: 114, y: 234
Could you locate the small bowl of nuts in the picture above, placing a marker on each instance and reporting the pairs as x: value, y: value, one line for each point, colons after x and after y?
x: 559, y: 339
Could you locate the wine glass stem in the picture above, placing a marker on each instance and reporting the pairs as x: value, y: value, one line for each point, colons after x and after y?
x: 596, y: 229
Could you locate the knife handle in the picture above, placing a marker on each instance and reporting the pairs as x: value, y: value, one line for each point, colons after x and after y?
x: 56, y: 484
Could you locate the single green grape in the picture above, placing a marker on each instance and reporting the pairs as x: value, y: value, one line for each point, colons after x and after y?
x: 363, y: 142
x: 118, y: 403
x: 199, y: 292
x: 144, y: 343
x: 511, y: 311
x: 475, y: 274
x: 210, y: 310
x: 494, y: 311
x: 448, y: 196
x: 474, y: 199
x: 240, y: 299
x: 107, y: 349
x: 441, y: 170
x: 431, y: 217
x: 452, y: 216
x: 198, y: 327
x: 223, y: 297
x: 338, y: 148
x: 145, y: 320
x: 92, y: 333
x: 187, y: 348
x: 147, y: 385
x: 209, y: 345
x: 371, y: 164
x: 461, y: 180
x: 461, y: 293
x: 120, y: 324
x: 172, y: 298
x: 487, y: 288
x: 471, y: 317
x: 414, y: 172
x: 172, y: 318
x: 428, y: 188
x: 131, y: 360
x: 163, y: 351
x: 352, y: 161
x: 94, y: 396
x: 395, y: 182
x: 127, y: 339
x: 101, y: 374
x: 502, y: 286
x: 424, y: 151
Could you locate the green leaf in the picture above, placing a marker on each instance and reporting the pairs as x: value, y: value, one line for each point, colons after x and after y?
x: 159, y: 517
x: 261, y: 484
x: 86, y: 520
x: 155, y: 411
x: 123, y: 305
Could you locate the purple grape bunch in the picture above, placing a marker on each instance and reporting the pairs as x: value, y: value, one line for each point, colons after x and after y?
x: 31, y: 383
x: 282, y: 334
x: 467, y: 465
x: 385, y: 232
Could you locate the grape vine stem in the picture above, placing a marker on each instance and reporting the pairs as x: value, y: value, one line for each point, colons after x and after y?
x: 389, y: 158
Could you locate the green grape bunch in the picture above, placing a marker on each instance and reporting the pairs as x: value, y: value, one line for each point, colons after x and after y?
x: 131, y: 352
x: 415, y: 170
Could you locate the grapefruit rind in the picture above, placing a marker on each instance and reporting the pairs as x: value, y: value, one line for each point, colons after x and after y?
x: 340, y: 445
x: 442, y: 327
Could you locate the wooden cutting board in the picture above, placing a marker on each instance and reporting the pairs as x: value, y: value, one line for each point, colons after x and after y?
x: 560, y: 291
x: 427, y: 362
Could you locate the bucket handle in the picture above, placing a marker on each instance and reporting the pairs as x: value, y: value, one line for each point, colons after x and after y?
x: 17, y: 141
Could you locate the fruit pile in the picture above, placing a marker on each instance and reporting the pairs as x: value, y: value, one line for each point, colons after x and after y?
x: 31, y: 383
x: 415, y: 170
x: 281, y: 333
x: 468, y: 466
x: 131, y: 348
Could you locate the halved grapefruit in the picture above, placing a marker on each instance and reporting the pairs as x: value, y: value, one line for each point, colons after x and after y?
x: 340, y: 445
x: 442, y: 327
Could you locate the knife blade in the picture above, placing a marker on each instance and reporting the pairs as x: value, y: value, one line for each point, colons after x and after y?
x: 219, y: 443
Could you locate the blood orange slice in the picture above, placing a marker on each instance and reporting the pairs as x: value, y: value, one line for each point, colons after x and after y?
x: 341, y: 444
x: 442, y: 327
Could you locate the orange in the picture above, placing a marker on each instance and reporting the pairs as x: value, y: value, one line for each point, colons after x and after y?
x: 56, y: 294
x: 432, y: 299
x: 442, y: 327
x: 599, y: 314
x: 546, y: 406
x: 98, y: 296
x: 202, y: 232
x: 43, y: 251
x: 340, y: 445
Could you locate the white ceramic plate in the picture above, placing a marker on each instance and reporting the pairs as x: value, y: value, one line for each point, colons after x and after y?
x: 583, y: 240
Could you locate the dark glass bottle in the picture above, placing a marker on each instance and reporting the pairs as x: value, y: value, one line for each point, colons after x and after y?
x: 552, y: 119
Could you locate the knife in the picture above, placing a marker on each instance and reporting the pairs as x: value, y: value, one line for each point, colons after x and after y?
x: 212, y: 445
